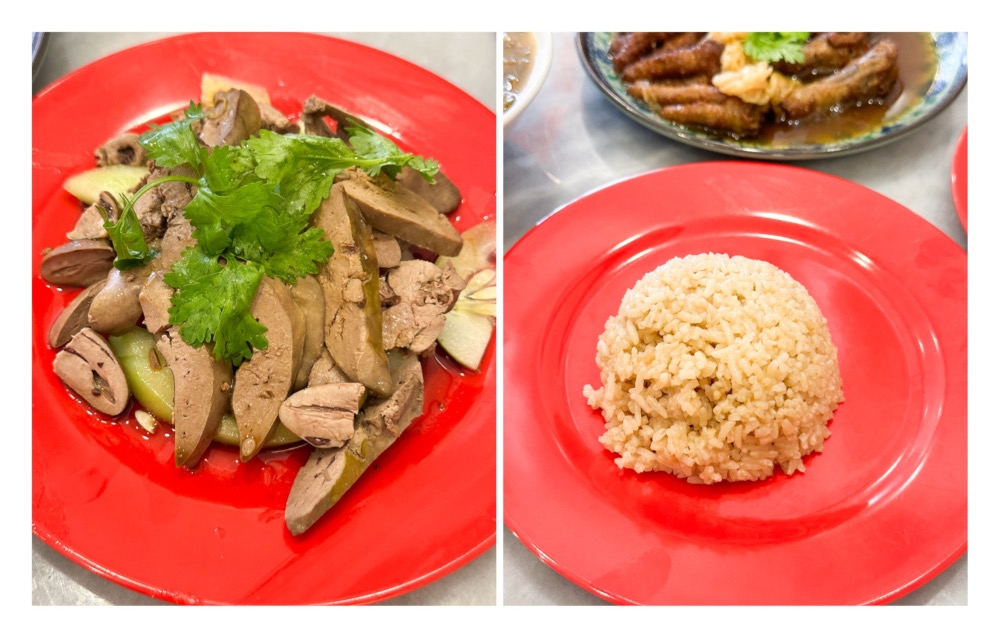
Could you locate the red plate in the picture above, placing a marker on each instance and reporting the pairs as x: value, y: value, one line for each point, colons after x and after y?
x: 881, y: 510
x: 960, y: 178
x: 109, y: 497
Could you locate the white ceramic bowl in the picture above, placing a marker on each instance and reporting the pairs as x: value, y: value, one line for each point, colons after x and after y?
x: 536, y: 78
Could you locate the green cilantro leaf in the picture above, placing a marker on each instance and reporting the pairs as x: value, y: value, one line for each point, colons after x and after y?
x: 386, y: 156
x: 299, y: 255
x: 302, y: 167
x: 251, y: 219
x: 131, y: 248
x: 214, y: 216
x: 212, y: 303
x: 174, y: 143
x: 225, y: 168
x: 775, y: 46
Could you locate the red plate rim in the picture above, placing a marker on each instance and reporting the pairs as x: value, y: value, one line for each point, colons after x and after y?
x: 107, y: 497
x: 960, y: 178
x: 611, y: 531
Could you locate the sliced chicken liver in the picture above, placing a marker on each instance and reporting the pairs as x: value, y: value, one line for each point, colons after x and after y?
x: 89, y: 366
x: 443, y: 195
x: 201, y: 395
x: 398, y: 211
x: 263, y: 382
x: 78, y: 262
x: 425, y: 293
x: 233, y: 118
x: 308, y: 296
x: 73, y: 318
x: 326, y: 371
x: 350, y: 290
x: 330, y: 472
x: 155, y: 300
x: 323, y: 415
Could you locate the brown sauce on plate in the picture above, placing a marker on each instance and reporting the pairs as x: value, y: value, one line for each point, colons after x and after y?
x: 917, y: 65
x: 518, y: 59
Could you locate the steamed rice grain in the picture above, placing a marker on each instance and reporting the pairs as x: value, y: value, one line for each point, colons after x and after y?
x: 716, y: 368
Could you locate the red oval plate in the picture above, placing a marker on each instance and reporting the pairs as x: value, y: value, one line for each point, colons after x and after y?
x: 880, y: 511
x: 960, y: 178
x: 109, y: 497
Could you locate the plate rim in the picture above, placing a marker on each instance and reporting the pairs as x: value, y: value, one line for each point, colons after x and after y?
x: 520, y: 523
x: 960, y: 177
x: 733, y: 148
x: 485, y: 538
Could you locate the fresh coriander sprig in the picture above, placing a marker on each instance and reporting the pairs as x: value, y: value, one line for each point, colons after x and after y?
x: 250, y: 217
x: 774, y: 46
x: 131, y: 248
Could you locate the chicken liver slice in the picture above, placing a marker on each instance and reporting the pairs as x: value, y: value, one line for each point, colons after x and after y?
x: 353, y: 331
x: 201, y: 395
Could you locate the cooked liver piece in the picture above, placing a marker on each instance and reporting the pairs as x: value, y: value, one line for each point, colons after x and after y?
x: 425, y: 293
x: 201, y: 395
x: 308, y: 296
x: 350, y: 290
x: 314, y: 114
x: 386, y: 294
x: 175, y: 241
x: 116, y: 309
x: 89, y: 366
x: 155, y: 300
x: 390, y: 416
x: 80, y: 262
x: 323, y: 415
x: 162, y: 203
x: 90, y: 225
x: 326, y: 371
x: 398, y: 211
x: 73, y: 317
x: 274, y: 120
x: 330, y: 472
x: 387, y: 250
x: 233, y: 118
x: 443, y: 195
x: 123, y: 150
x: 264, y: 381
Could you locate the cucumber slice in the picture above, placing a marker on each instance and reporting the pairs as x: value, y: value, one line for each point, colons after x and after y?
x: 152, y: 385
x: 88, y: 185
x: 148, y: 376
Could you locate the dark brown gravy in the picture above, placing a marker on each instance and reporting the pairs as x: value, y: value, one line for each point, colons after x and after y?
x: 917, y: 65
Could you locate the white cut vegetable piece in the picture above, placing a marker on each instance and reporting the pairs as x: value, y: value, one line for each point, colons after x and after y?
x: 465, y: 336
x: 468, y: 326
x: 117, y: 180
x: 479, y: 247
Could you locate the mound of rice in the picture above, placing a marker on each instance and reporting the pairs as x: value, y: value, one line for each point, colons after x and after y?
x: 716, y: 368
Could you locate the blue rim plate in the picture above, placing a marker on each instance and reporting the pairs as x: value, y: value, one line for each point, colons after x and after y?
x: 39, y: 44
x: 949, y: 80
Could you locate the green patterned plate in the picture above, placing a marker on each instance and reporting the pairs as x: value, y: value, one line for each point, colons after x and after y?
x: 949, y: 80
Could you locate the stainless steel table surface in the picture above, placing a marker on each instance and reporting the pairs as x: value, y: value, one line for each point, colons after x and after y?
x: 467, y: 60
x: 572, y: 140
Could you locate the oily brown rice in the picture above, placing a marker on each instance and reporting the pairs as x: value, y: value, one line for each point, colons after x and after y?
x: 716, y: 368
